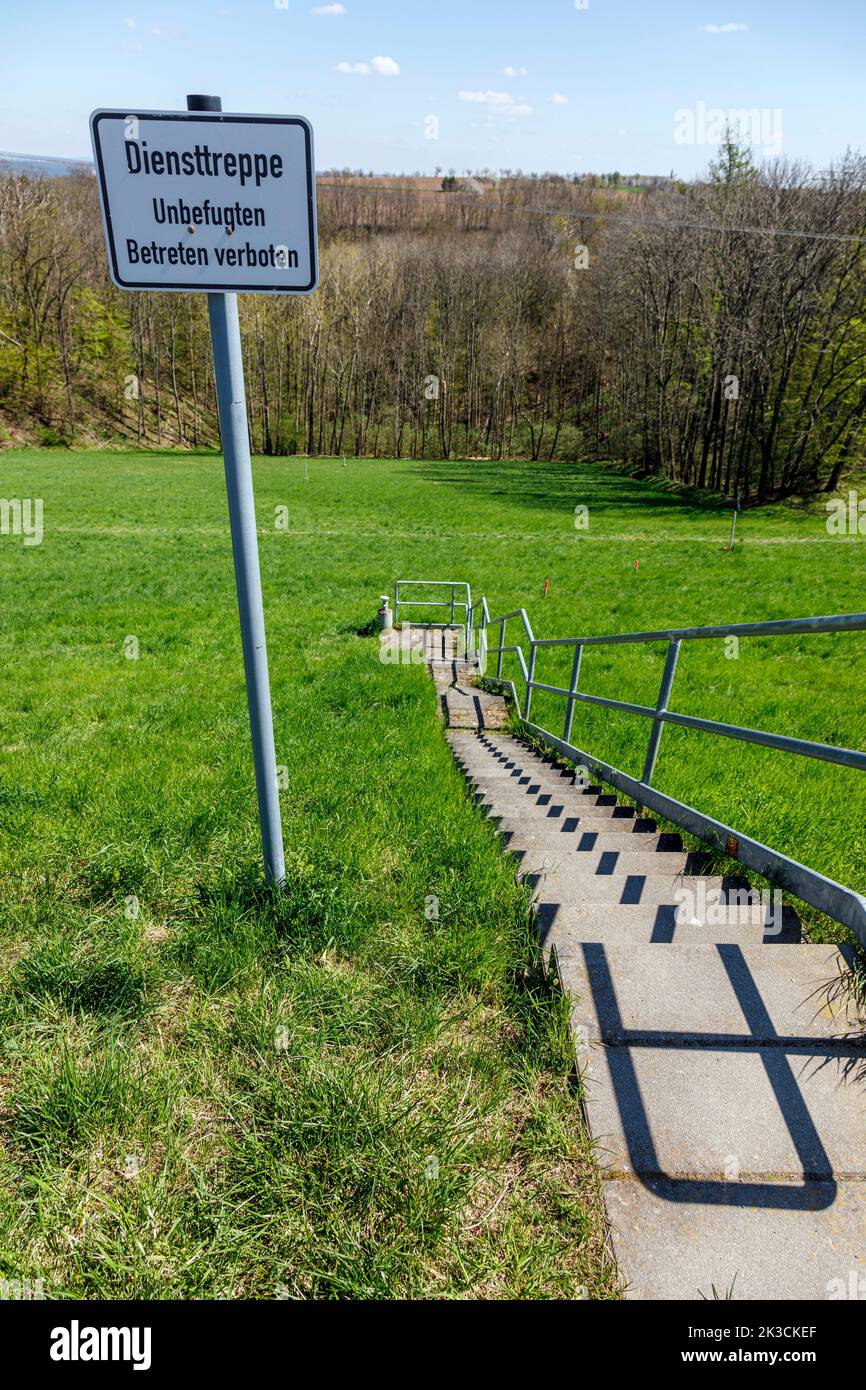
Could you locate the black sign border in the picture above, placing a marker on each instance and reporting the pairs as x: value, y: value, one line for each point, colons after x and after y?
x: 224, y: 117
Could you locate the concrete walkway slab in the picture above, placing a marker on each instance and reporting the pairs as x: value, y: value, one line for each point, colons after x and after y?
x: 760, y: 1114
x: 809, y: 1244
x: 728, y: 993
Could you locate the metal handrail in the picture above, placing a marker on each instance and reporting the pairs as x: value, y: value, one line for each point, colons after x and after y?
x: 453, y: 603
x: 844, y: 904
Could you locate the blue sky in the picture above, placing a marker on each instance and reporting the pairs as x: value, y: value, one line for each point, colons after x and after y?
x: 531, y: 84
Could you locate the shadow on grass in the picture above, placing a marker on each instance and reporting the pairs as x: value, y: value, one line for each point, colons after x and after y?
x: 557, y: 486
x: 114, y: 988
x: 367, y: 629
x: 67, y: 1101
x: 239, y: 923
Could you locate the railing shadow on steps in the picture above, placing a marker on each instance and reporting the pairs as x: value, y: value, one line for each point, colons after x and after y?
x: 817, y: 1187
x: 814, y: 1187
x: 843, y: 904
x: 811, y: 1185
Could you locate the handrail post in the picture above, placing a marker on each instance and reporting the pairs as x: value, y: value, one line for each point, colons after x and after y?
x: 655, y: 737
x: 396, y: 603
x: 572, y: 686
x: 452, y: 605
x: 530, y: 677
x: 501, y: 645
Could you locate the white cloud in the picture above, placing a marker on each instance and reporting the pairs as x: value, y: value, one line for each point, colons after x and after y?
x: 513, y: 72
x: 730, y: 28
x: 488, y: 98
x: 497, y: 103
x: 559, y: 99
x: 329, y: 9
x: 383, y: 67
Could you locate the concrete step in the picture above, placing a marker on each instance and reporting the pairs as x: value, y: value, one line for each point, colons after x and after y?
x: 551, y: 820
x: 529, y: 787
x: 532, y: 799
x: 530, y: 791
x: 725, y: 1152
x: 478, y: 757
x: 475, y: 709
x: 689, y: 1113
x: 608, y: 864
x: 564, y: 927
x: 559, y: 881
x: 446, y: 672
x: 710, y: 997
x: 722, y: 915
x: 477, y: 745
x: 478, y: 765
x: 567, y: 882
x: 528, y: 782
x: 520, y: 800
x: 554, y: 815
x: 437, y: 641
x: 603, y: 850
x: 516, y: 773
x: 778, y: 1240
x: 515, y: 761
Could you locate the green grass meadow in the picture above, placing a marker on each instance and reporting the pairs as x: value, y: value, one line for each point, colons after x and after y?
x: 211, y: 1091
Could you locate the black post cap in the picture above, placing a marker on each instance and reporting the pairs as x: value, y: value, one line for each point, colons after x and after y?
x: 201, y: 103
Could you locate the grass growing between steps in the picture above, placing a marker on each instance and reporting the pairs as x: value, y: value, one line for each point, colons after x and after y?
x: 355, y: 1088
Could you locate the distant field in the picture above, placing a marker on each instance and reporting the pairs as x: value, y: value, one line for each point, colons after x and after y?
x: 327, y: 1093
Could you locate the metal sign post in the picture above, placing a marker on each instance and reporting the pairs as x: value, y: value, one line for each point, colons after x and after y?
x: 733, y: 528
x: 175, y: 188
x: 228, y: 370
x: 225, y: 333
x: 734, y: 520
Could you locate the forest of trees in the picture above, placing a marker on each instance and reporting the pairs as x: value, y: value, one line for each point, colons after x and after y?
x: 500, y: 318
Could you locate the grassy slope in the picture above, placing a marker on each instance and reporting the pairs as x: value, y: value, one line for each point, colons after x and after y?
x: 284, y: 1074
x: 324, y: 1094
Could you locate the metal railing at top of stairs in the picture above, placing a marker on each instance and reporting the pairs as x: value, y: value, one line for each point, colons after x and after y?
x: 837, y: 901
x: 452, y: 603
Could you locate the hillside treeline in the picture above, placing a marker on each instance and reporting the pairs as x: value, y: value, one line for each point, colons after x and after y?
x: 539, y: 319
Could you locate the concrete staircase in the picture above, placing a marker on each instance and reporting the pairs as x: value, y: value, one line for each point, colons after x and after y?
x: 722, y: 1057
x: 463, y: 706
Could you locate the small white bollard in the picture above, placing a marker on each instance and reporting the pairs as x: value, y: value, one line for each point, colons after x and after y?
x: 385, y: 616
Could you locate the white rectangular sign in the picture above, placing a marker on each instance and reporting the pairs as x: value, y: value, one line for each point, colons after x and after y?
x: 206, y: 200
